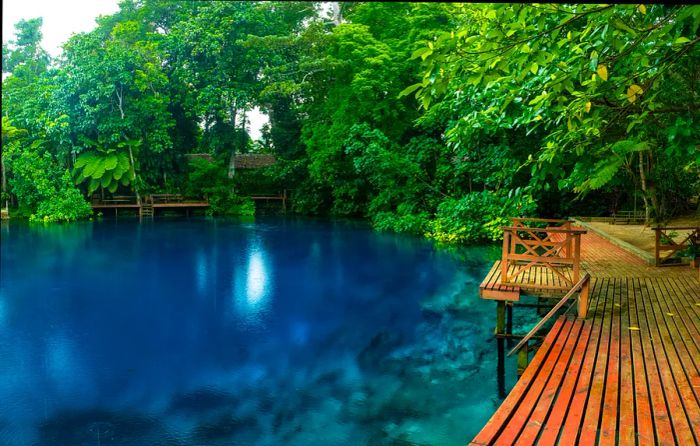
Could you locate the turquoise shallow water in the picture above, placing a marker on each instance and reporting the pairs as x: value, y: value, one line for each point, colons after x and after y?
x: 228, y: 332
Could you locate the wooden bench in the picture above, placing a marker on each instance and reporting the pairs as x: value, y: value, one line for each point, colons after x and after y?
x: 628, y: 217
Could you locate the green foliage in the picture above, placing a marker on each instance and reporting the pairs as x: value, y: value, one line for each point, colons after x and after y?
x: 209, y: 179
x: 66, y: 203
x: 105, y: 167
x: 478, y: 216
x: 421, y: 117
x: 579, y: 79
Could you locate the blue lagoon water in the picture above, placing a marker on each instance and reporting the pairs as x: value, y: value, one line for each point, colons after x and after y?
x: 227, y: 332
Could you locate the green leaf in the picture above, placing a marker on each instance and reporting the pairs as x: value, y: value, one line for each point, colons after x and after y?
x: 681, y: 41
x: 91, y: 167
x: 594, y: 60
x: 84, y: 159
x: 408, y: 90
x: 106, y: 179
x: 94, y: 184
x: 111, y: 161
x: 99, y: 169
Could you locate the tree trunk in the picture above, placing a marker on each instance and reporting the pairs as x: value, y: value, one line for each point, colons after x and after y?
x: 133, y: 175
x: 648, y: 192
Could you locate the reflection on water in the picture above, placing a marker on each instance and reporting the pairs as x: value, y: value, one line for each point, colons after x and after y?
x: 214, y: 332
x: 252, y: 284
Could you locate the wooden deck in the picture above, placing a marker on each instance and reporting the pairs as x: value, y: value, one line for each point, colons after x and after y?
x: 149, y: 204
x: 537, y: 280
x: 627, y: 374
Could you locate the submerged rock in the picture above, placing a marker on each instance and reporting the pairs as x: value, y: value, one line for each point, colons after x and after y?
x: 202, y: 400
x: 228, y: 430
x: 378, y: 348
x: 91, y: 427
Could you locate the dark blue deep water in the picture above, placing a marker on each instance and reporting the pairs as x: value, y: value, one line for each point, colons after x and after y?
x: 226, y: 332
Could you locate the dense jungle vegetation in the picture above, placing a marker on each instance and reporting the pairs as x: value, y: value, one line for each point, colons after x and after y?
x: 431, y: 118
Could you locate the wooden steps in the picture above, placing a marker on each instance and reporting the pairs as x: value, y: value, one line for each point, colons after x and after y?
x: 146, y: 210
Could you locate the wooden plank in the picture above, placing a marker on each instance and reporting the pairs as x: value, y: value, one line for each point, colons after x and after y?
x: 553, y: 425
x: 592, y: 417
x: 687, y: 349
x: 493, y: 427
x: 663, y: 430
x: 562, y: 368
x: 527, y: 404
x: 644, y: 426
x: 551, y: 313
x: 683, y: 406
x: 569, y: 433
x: 609, y: 416
x: 491, y: 288
x: 490, y: 276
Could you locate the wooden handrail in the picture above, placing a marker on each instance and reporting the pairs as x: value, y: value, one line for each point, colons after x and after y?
x: 586, y: 277
x: 673, y: 246
x: 545, y: 220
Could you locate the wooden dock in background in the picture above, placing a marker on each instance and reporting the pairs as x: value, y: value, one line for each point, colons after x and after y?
x: 629, y: 373
x: 147, y: 206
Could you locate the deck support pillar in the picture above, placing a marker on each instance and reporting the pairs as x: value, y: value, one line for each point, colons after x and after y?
x: 501, y: 371
x: 500, y: 317
x: 509, y: 322
x: 523, y: 357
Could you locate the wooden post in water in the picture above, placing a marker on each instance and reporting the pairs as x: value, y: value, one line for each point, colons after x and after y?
x: 500, y: 317
x: 509, y: 323
x: 523, y: 358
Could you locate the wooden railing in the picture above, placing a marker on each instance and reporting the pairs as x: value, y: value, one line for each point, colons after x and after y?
x: 665, y: 243
x: 555, y: 246
x: 164, y: 198
x: 114, y: 199
x: 629, y: 217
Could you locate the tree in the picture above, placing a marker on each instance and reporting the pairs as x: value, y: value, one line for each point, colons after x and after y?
x: 588, y: 78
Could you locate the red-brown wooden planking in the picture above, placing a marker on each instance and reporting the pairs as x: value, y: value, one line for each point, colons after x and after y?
x: 493, y: 427
x: 608, y: 424
x: 592, y: 417
x: 660, y: 416
x: 539, y: 414
x: 492, y: 288
x: 527, y: 404
x: 687, y: 349
x: 644, y: 426
x: 629, y: 374
x: 681, y: 399
x: 553, y: 425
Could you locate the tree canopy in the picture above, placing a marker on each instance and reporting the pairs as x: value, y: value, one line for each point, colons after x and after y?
x: 435, y: 118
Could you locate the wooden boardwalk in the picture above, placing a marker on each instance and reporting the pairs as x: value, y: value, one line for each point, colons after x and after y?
x: 627, y: 374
